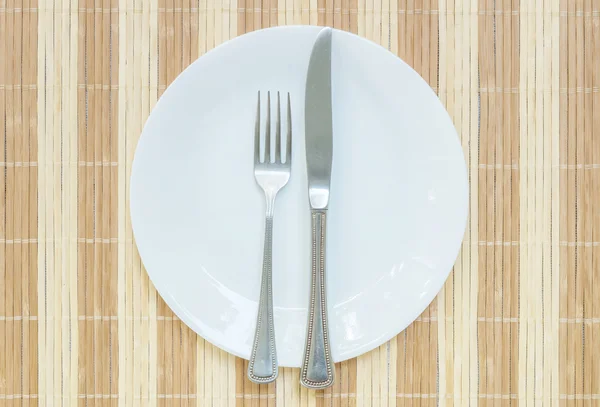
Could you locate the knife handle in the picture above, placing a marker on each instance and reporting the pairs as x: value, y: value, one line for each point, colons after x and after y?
x: 318, y: 370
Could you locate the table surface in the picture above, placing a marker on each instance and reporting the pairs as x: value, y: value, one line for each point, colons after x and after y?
x: 517, y: 321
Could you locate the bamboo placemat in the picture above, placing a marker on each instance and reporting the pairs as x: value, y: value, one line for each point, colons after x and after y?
x: 517, y: 321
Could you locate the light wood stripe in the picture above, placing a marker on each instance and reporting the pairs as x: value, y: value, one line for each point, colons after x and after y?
x: 152, y: 294
x: 552, y: 323
x: 474, y: 185
x: 445, y: 340
x: 540, y: 158
x: 57, y: 194
x: 457, y: 302
x: 53, y: 214
x: 134, y: 122
x: 137, y: 95
x: 148, y: 97
x: 70, y: 197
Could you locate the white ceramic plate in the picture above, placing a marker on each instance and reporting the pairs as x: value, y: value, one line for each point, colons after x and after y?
x: 398, y: 200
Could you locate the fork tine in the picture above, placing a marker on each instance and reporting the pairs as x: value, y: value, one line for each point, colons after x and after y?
x: 288, y: 144
x: 278, y: 133
x: 268, y: 130
x: 257, y: 132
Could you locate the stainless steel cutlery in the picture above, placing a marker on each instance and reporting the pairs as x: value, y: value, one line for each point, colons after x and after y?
x: 272, y: 173
x: 317, y: 370
x: 317, y: 365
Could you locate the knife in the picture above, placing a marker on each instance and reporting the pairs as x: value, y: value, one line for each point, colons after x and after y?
x: 317, y: 365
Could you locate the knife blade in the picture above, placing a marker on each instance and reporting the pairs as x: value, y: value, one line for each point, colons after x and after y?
x: 318, y: 121
x: 317, y: 370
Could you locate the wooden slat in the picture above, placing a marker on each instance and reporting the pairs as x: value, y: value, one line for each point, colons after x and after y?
x: 594, y: 332
x: 4, y: 276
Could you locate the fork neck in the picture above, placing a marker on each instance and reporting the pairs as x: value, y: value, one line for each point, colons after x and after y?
x: 270, y: 199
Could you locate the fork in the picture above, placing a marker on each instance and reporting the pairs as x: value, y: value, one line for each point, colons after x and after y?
x: 271, y: 176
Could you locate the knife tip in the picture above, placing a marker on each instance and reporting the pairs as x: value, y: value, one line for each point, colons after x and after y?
x: 324, y: 36
x: 326, y: 31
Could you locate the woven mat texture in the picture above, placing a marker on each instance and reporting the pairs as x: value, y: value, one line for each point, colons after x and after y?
x: 518, y: 321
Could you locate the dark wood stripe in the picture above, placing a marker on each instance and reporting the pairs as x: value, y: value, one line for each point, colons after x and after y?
x: 97, y: 104
x: 590, y: 206
x: 593, y: 308
x: 499, y: 213
x: 18, y: 198
x: 176, y: 344
x: 579, y: 359
x: 567, y: 204
x: 256, y: 14
x: 564, y: 204
x: 416, y: 364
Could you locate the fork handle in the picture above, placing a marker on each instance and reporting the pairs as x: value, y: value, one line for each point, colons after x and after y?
x: 318, y: 370
x: 262, y: 367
